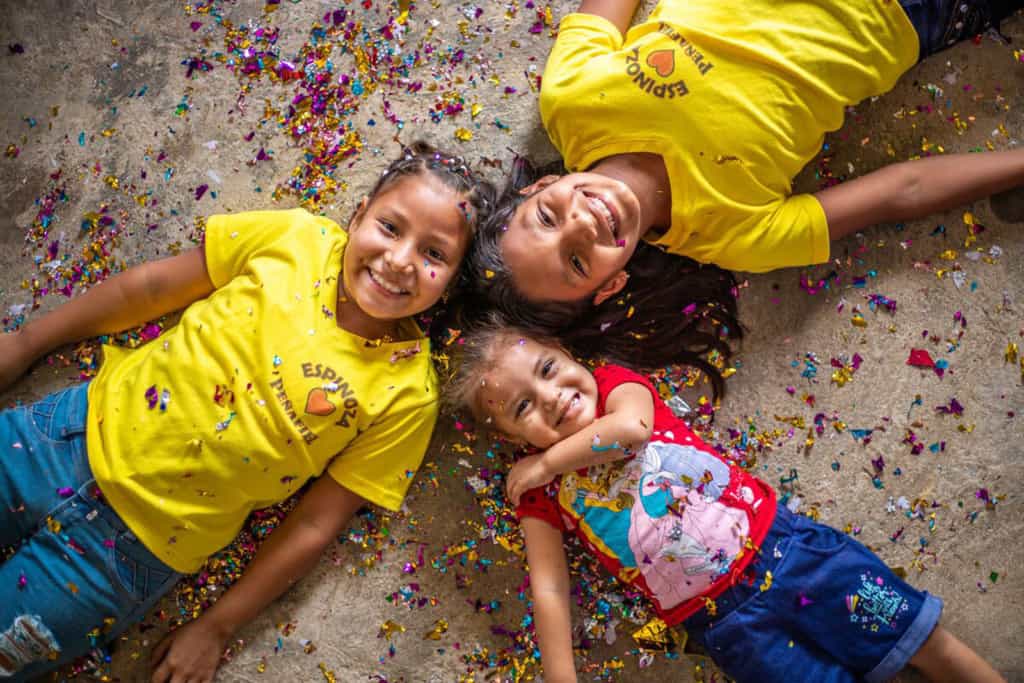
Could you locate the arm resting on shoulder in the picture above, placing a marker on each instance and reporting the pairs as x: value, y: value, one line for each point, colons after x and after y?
x: 915, y: 189
x: 626, y: 425
x: 193, y: 652
x: 549, y: 585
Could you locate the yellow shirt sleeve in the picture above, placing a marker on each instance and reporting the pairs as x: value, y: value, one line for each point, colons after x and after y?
x: 379, y: 464
x: 232, y: 239
x: 792, y: 232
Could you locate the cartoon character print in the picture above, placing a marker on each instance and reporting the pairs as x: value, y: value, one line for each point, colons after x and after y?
x: 684, y: 537
x: 659, y: 514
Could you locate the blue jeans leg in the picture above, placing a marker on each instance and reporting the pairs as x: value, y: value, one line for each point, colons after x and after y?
x: 78, y: 576
x: 940, y: 24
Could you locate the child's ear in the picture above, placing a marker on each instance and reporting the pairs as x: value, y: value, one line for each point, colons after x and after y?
x: 538, y: 185
x: 610, y: 288
x: 358, y: 213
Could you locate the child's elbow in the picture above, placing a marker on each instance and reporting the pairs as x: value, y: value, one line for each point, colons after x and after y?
x: 636, y: 435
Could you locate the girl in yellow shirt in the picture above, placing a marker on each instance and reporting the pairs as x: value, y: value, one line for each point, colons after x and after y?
x: 296, y: 356
x: 686, y: 132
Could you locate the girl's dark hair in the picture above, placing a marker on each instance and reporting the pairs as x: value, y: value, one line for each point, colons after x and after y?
x: 478, y: 197
x: 672, y: 309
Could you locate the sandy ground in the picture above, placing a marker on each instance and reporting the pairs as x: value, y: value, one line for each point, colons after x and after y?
x: 100, y: 92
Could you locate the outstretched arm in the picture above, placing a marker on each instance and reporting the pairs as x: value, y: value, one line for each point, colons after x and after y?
x: 915, y: 189
x: 619, y: 12
x: 130, y: 298
x: 626, y: 425
x: 192, y: 653
x: 549, y: 585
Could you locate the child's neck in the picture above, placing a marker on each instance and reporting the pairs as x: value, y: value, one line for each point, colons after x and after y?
x: 647, y: 177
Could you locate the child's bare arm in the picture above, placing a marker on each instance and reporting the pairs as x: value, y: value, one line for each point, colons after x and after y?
x: 193, y: 651
x: 130, y: 298
x: 915, y: 189
x: 549, y: 585
x: 626, y: 424
x: 619, y: 12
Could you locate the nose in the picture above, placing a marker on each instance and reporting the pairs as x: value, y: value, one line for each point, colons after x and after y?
x: 579, y: 220
x: 401, y: 256
x: 549, y: 399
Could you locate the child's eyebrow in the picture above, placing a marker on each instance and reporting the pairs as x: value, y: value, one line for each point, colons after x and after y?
x: 536, y: 366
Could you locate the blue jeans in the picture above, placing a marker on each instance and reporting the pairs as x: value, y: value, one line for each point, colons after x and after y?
x: 78, y: 577
x: 943, y: 23
x: 831, y: 612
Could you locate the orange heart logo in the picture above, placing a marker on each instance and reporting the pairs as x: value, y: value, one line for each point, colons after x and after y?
x: 663, y: 61
x: 317, y: 403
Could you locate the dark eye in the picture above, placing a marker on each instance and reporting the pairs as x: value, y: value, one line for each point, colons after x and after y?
x: 521, y: 407
x: 546, y: 368
x: 388, y: 228
x: 577, y: 265
x: 545, y: 217
x: 435, y: 254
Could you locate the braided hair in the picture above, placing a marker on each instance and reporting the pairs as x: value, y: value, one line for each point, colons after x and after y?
x: 672, y: 309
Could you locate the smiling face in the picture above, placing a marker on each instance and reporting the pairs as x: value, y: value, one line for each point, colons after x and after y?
x: 536, y: 393
x: 404, y: 248
x: 572, y: 237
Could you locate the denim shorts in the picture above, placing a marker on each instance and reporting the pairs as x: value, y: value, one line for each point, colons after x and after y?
x: 831, y: 611
x: 77, y: 576
x: 943, y: 23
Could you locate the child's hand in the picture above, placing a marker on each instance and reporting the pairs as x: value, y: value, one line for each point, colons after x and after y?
x: 192, y: 653
x: 529, y: 473
x: 15, y: 358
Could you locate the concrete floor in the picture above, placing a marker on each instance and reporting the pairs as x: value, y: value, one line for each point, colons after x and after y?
x: 99, y: 92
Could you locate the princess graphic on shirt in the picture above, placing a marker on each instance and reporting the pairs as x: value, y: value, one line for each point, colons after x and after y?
x: 672, y: 491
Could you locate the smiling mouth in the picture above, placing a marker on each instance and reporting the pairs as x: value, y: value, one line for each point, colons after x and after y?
x: 606, y: 213
x: 569, y: 407
x: 388, y: 287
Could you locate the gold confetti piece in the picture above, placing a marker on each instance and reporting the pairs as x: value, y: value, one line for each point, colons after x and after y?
x: 111, y: 180
x: 656, y: 635
x: 463, y: 134
x: 261, y: 667
x: 475, y: 109
x: 390, y: 627
x: 72, y: 587
x: 109, y: 132
x: 1011, y: 353
x: 440, y: 627
x: 948, y: 255
x: 767, y: 581
x: 328, y: 674
x: 53, y: 525
x: 488, y: 274
x: 858, y: 320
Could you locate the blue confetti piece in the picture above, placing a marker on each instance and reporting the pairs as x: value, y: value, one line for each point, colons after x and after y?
x: 81, y: 139
x: 859, y: 434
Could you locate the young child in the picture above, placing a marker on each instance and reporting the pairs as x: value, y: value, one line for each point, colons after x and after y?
x: 687, y: 132
x: 296, y: 356
x: 772, y: 595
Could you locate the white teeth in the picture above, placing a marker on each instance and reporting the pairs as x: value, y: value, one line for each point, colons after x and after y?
x: 394, y: 289
x: 608, y: 215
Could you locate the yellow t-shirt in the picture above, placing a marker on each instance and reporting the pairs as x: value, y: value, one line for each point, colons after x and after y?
x: 736, y: 96
x: 253, y: 392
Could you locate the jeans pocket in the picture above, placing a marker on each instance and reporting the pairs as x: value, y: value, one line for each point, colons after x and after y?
x: 59, y: 417
x: 40, y: 417
x: 123, y: 569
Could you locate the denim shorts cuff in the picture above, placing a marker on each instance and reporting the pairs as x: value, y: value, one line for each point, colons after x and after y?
x: 911, y: 641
